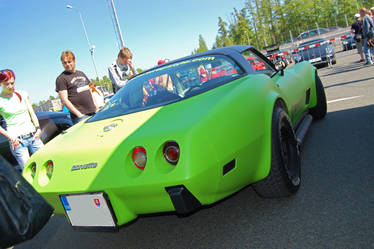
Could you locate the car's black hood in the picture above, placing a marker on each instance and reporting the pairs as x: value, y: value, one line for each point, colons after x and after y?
x: 314, y: 52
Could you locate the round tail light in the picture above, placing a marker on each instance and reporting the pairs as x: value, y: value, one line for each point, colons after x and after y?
x: 139, y: 157
x: 33, y: 169
x: 49, y: 168
x: 171, y: 152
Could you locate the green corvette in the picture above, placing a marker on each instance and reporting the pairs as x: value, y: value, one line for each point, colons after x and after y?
x: 181, y: 135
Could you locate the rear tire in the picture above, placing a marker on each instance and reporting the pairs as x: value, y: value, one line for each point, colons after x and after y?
x: 284, y: 177
x: 320, y: 110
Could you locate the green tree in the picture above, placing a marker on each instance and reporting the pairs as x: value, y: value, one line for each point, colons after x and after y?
x: 223, y: 39
x: 240, y: 30
x: 202, y: 46
x: 262, y: 22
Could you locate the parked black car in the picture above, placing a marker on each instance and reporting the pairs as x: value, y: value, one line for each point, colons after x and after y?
x: 51, y: 123
x: 318, y: 52
x: 349, y: 42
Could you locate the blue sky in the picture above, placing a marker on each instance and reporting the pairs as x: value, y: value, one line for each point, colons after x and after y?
x: 35, y: 32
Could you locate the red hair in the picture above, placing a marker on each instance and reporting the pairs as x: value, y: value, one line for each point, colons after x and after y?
x: 6, y: 74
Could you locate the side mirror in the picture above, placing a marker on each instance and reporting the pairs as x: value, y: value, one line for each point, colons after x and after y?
x: 280, y: 65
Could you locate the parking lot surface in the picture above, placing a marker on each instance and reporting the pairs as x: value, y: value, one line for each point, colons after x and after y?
x: 334, y: 207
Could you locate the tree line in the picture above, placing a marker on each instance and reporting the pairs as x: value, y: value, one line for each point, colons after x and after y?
x: 265, y: 22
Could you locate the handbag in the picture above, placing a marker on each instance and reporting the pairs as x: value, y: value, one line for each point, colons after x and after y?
x: 23, y: 211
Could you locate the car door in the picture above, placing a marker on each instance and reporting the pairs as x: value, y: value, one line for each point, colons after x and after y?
x: 289, y: 82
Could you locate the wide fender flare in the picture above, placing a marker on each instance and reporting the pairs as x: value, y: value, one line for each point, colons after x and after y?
x: 272, y: 99
x: 311, y: 73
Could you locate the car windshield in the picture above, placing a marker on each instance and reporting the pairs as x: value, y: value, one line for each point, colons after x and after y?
x: 311, y: 42
x: 170, y: 83
x: 349, y: 36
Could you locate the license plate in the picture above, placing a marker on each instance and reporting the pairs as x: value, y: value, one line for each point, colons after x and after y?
x: 314, y: 60
x: 88, y: 210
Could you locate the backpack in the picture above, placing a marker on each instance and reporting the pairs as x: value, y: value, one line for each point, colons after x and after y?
x: 23, y: 211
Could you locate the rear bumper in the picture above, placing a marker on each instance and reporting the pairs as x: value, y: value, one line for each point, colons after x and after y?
x: 323, y: 60
x: 127, y: 205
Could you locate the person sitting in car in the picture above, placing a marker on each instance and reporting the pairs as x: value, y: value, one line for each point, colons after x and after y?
x: 164, y: 81
x: 217, y: 71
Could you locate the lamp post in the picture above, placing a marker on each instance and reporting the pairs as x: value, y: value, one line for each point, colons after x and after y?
x: 117, y: 28
x: 91, y: 47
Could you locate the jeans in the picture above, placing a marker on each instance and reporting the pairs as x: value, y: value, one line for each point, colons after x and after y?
x: 21, y: 152
x: 368, y: 51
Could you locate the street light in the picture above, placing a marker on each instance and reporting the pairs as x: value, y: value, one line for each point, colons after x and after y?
x: 117, y: 28
x: 91, y: 47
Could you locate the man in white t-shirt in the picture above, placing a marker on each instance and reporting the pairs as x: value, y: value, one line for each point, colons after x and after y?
x: 22, y: 125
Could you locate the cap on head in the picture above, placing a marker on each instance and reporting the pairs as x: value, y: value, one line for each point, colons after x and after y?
x: 6, y: 74
x: 357, y: 15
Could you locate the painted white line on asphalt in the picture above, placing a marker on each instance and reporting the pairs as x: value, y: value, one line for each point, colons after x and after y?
x: 342, y: 99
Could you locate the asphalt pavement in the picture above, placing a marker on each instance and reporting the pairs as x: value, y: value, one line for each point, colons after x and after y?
x: 334, y: 207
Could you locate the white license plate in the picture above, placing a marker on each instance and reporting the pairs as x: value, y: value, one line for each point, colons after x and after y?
x: 315, y: 60
x: 88, y: 210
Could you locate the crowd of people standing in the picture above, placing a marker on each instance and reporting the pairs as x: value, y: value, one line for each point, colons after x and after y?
x: 79, y: 96
x: 363, y: 30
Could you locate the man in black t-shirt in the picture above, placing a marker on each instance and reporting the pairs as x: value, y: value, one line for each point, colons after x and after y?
x: 73, y: 87
x: 356, y: 29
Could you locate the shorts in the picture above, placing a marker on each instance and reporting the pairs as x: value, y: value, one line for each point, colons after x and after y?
x: 359, y: 46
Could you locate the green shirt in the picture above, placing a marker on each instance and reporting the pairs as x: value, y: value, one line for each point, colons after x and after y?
x: 16, y: 115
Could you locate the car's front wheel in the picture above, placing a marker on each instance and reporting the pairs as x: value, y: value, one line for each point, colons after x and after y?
x: 284, y: 177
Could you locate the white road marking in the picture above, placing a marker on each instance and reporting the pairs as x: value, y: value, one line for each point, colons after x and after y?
x: 342, y: 99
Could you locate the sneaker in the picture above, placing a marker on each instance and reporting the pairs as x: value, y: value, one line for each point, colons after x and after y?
x: 368, y: 63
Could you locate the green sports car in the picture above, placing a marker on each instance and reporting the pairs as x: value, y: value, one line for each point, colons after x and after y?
x: 181, y: 135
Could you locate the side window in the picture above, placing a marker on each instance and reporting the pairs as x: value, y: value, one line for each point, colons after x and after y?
x: 304, y: 35
x: 258, y: 64
x: 313, y: 33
